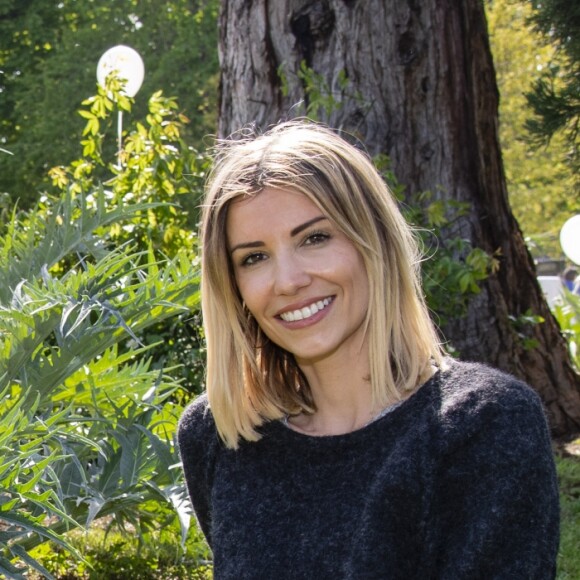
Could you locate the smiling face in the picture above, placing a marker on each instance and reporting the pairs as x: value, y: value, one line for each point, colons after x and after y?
x: 301, y: 278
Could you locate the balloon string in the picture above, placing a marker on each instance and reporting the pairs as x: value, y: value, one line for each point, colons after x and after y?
x: 120, y: 136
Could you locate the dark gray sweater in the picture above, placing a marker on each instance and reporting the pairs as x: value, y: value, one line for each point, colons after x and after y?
x: 457, y: 482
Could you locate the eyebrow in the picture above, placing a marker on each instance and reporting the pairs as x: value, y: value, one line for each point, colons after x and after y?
x: 294, y: 232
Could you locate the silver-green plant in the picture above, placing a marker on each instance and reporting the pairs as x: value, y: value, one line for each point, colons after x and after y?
x: 87, y: 415
x: 86, y: 428
x: 566, y: 310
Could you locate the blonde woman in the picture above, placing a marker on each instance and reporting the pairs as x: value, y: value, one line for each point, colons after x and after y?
x: 336, y: 440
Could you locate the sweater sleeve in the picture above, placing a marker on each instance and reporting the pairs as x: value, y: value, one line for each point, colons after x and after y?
x: 497, y: 501
x: 198, y: 445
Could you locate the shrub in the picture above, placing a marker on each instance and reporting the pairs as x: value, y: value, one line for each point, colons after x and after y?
x: 88, y: 415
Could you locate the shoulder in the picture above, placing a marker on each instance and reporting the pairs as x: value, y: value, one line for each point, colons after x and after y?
x: 475, y: 385
x: 199, y: 449
x: 496, y: 503
x: 475, y: 396
x: 196, y: 426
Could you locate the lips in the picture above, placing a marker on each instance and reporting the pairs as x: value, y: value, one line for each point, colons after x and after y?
x: 306, y: 311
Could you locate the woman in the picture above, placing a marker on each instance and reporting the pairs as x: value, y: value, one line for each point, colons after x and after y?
x: 335, y: 439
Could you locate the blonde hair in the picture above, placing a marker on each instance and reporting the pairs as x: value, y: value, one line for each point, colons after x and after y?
x: 250, y: 379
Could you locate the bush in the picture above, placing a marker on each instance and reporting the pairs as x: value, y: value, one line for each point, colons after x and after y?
x: 567, y: 312
x: 88, y: 413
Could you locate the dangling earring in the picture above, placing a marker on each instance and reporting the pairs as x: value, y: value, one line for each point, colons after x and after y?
x: 252, y: 327
x: 246, y: 311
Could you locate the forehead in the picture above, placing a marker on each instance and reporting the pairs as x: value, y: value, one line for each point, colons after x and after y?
x: 270, y: 209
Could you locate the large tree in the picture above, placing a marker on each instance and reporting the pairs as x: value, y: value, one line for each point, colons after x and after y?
x: 415, y: 81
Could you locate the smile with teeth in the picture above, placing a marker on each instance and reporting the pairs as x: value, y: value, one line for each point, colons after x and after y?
x: 305, y: 312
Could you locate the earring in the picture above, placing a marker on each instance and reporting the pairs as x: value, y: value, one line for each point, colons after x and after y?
x: 246, y: 311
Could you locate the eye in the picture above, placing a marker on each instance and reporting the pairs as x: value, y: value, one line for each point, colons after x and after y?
x: 316, y: 238
x: 252, y: 259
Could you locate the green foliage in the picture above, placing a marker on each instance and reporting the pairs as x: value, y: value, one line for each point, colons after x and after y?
x: 88, y: 426
x: 322, y: 99
x: 569, y: 482
x: 523, y: 326
x: 567, y: 312
x: 154, y: 166
x: 28, y: 492
x: 452, y: 269
x: 88, y: 411
x: 49, y: 51
x: 541, y: 186
x: 114, y: 555
x: 555, y: 95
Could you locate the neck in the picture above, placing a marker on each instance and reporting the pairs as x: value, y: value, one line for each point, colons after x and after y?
x: 342, y: 394
x: 334, y: 419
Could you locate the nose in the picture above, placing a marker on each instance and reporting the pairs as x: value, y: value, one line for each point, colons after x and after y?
x: 290, y: 276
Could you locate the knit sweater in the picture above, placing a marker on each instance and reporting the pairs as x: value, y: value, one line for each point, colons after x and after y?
x: 457, y: 482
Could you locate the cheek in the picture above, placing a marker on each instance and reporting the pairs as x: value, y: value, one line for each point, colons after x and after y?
x: 241, y: 288
x: 251, y: 291
x: 359, y: 278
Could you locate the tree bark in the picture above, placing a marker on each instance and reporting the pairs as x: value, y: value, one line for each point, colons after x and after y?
x: 420, y: 87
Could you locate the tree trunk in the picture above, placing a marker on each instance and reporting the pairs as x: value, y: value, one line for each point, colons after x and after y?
x: 420, y: 87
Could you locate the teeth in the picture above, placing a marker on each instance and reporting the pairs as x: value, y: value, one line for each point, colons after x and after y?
x: 305, y: 312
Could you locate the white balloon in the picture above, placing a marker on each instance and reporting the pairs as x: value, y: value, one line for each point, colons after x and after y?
x: 570, y: 239
x: 126, y: 63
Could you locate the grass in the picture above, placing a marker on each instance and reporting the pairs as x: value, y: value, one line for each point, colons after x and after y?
x: 568, y: 467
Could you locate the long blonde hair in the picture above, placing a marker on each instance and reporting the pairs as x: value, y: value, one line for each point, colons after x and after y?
x: 250, y: 379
